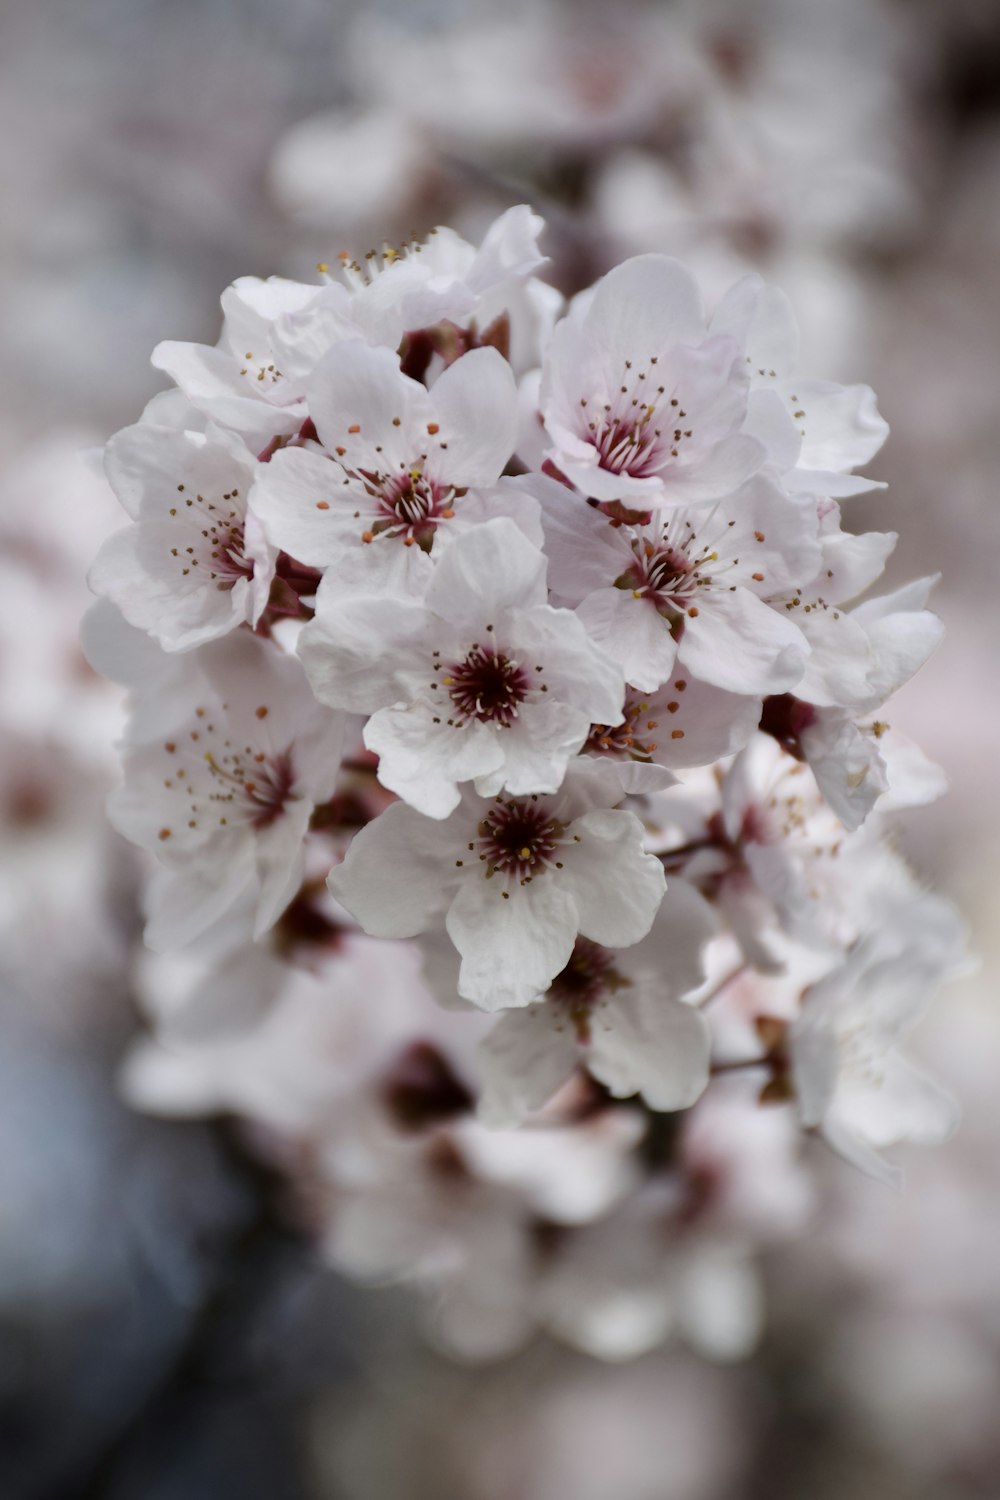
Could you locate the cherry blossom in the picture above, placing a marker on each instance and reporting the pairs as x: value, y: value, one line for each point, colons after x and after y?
x: 449, y: 612
x: 816, y: 431
x: 225, y: 801
x: 517, y: 880
x: 689, y: 589
x: 763, y: 841
x: 194, y: 564
x: 619, y: 1015
x: 849, y: 1079
x: 252, y: 380
x: 859, y: 763
x: 442, y: 278
x: 399, y: 464
x: 480, y: 681
x: 640, y: 402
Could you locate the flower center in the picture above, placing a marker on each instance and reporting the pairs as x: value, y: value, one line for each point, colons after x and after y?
x: 518, y: 838
x: 409, y: 497
x: 421, y: 1089
x: 261, y: 786
x: 665, y: 573
x: 626, y: 738
x: 637, y: 431
x: 409, y: 504
x: 487, y: 686
x: 228, y: 560
x: 586, y: 980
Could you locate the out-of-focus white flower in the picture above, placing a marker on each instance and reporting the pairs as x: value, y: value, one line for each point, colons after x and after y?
x: 224, y: 802
x: 193, y: 565
x: 850, y: 1080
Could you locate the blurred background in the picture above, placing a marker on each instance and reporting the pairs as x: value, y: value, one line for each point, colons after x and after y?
x: 164, y: 1335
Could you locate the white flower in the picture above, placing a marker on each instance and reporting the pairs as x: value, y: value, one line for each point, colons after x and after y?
x: 841, y: 654
x: 762, y: 841
x: 793, y: 847
x: 224, y: 801
x: 863, y: 764
x: 633, y: 1278
x: 640, y: 403
x: 858, y: 762
x: 849, y: 1080
x: 252, y: 380
x: 442, y: 277
x: 619, y: 1015
x: 690, y: 589
x: 517, y: 880
x: 193, y: 565
x: 160, y: 684
x: 283, y: 1045
x: 396, y: 466
x: 682, y: 723
x: 480, y: 681
x: 816, y: 432
x: 459, y: 1207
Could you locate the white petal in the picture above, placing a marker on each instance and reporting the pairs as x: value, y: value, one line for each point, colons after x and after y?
x: 397, y: 873
x: 300, y: 500
x: 840, y: 659
x: 280, y: 859
x: 645, y: 305
x: 574, y: 670
x: 423, y: 762
x: 847, y: 764
x: 509, y: 248
x: 762, y: 319
x: 511, y: 948
x: 586, y: 552
x: 740, y: 644
x: 363, y: 653
x: 366, y: 409
x: 647, y: 1043
x: 536, y: 749
x: 842, y: 426
x: 475, y: 401
x: 181, y: 905
x: 633, y: 634
x: 489, y: 570
x: 527, y: 1056
x: 674, y: 949
x: 706, y: 725
x: 617, y: 887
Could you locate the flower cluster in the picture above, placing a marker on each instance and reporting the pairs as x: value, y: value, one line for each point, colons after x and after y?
x: 508, y: 744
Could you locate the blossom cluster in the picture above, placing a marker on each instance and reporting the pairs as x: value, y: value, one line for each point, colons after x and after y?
x: 507, y: 743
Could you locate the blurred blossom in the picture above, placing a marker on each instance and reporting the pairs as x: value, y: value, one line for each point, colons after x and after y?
x: 717, y: 133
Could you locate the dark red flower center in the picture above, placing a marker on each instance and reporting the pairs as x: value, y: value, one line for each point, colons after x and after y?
x: 487, y: 686
x: 518, y: 838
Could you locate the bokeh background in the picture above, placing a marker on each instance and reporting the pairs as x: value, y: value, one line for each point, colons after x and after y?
x: 164, y: 1333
